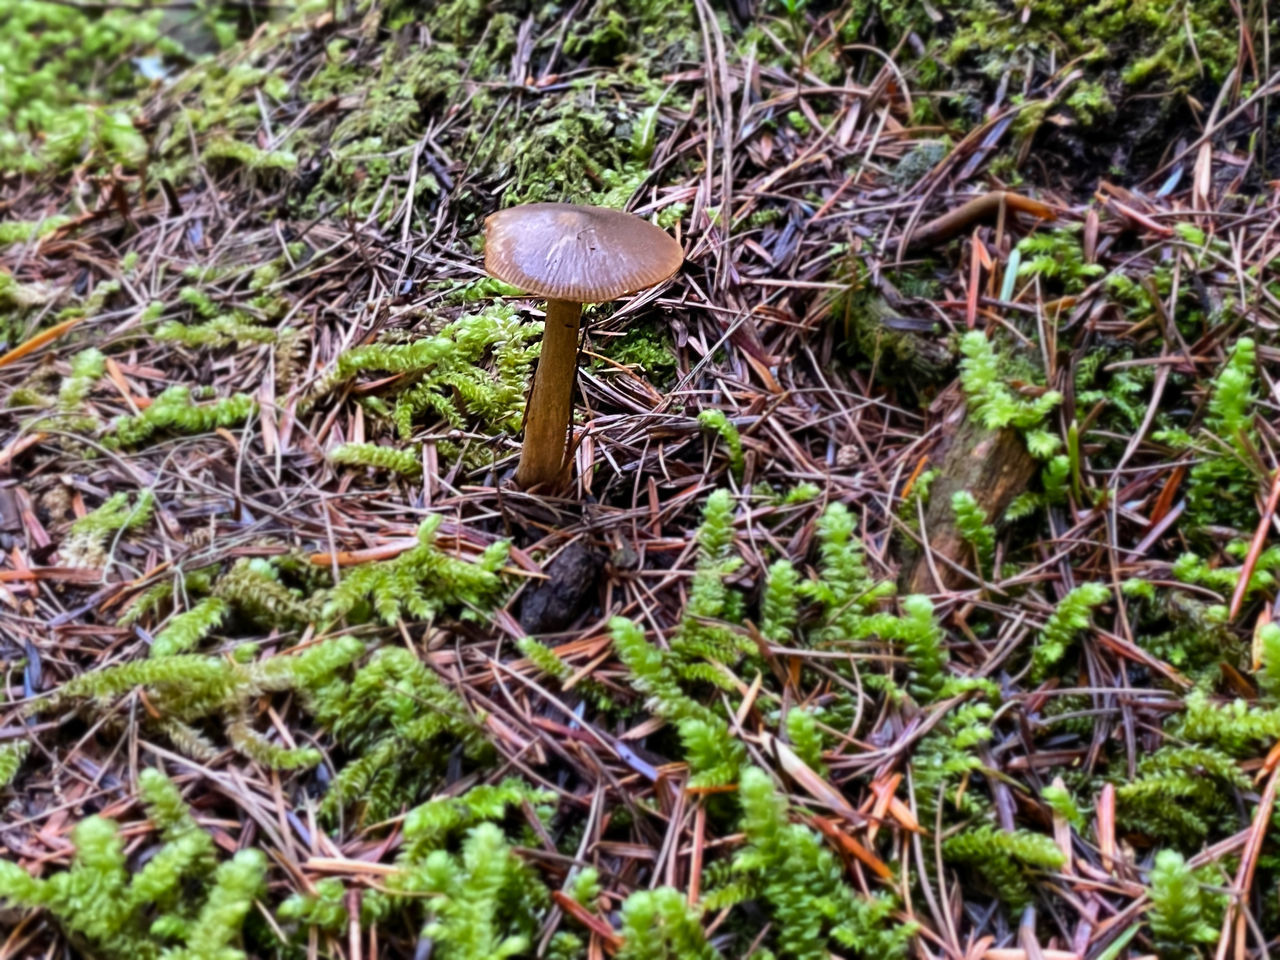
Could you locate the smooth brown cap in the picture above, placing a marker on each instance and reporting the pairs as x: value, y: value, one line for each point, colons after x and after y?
x: 567, y: 251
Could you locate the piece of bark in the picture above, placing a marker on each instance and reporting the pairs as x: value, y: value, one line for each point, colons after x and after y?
x: 994, y: 466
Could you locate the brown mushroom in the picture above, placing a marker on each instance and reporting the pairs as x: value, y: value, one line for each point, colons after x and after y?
x: 570, y: 254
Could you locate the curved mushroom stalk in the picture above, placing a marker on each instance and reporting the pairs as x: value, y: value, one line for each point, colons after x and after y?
x: 546, y: 421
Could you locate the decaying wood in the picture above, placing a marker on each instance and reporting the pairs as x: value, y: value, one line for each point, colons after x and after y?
x: 995, y: 467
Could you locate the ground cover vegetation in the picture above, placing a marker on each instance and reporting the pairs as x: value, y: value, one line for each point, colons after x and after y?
x: 914, y: 596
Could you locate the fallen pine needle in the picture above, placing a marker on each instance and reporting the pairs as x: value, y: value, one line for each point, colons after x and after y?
x: 38, y: 341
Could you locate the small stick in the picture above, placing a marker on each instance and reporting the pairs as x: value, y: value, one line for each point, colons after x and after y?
x: 1248, y: 862
x: 956, y: 221
x: 1255, y: 548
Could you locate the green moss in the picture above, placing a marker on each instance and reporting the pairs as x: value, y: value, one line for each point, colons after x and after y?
x: 399, y: 723
x: 12, y: 756
x: 248, y: 155
x: 1126, y: 52
x: 421, y: 583
x: 646, y: 347
x: 1057, y: 255
x: 1091, y: 102
x: 63, y: 66
x: 473, y: 373
x: 589, y: 143
x: 86, y: 546
x: 405, y: 462
x: 178, y: 905
x: 174, y: 411
x: 24, y: 231
x: 715, y: 420
x: 918, y: 161
x: 72, y: 72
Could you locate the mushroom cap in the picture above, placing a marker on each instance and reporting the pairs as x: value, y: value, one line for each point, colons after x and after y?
x: 567, y: 251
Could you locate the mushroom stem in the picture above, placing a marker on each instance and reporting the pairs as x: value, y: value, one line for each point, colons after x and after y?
x: 546, y: 418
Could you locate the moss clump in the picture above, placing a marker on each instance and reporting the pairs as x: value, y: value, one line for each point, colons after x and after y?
x: 589, y: 140
x: 645, y: 347
x: 87, y: 544
x: 24, y: 231
x: 1138, y: 62
x: 474, y: 372
x: 421, y: 582
x: 1143, y: 38
x: 189, y: 689
x: 71, y: 71
x: 178, y: 905
x: 404, y: 462
x: 249, y: 155
x: 175, y: 411
x: 399, y: 724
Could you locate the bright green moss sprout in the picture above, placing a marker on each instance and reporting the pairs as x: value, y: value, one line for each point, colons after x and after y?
x: 174, y: 411
x: 24, y: 231
x: 1180, y: 914
x: 806, y: 738
x: 814, y: 909
x: 407, y: 463
x: 421, y: 582
x: 87, y: 367
x: 86, y: 546
x: 1063, y: 803
x: 1235, y: 727
x: 400, y: 723
x: 971, y: 521
x: 546, y: 660
x: 187, y: 689
x: 248, y: 155
x: 481, y: 903
x: 11, y: 757
x: 1058, y: 254
x: 429, y: 825
x: 176, y: 906
x: 1181, y: 794
x: 845, y: 589
x: 1221, y: 487
x: 704, y: 633
x: 1068, y: 619
x: 477, y: 902
x: 478, y: 367
x: 716, y: 421
x: 714, y: 755
x: 923, y: 643
x: 1004, y: 858
x: 661, y: 924
x: 216, y: 332
x: 990, y: 398
x: 779, y: 608
x: 184, y: 631
x: 116, y: 514
x: 1269, y: 665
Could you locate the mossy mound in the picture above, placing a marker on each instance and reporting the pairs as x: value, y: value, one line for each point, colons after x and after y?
x: 1100, y: 82
x: 529, y: 111
x: 70, y: 70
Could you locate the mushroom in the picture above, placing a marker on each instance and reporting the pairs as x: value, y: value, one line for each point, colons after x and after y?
x: 570, y: 254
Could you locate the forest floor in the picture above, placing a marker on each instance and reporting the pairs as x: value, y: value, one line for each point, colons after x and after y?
x: 913, y: 592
